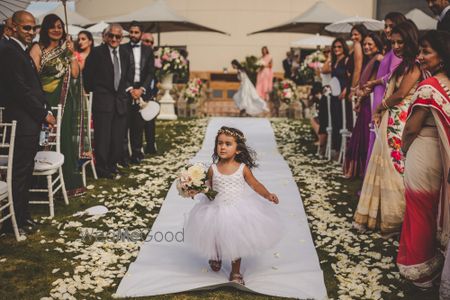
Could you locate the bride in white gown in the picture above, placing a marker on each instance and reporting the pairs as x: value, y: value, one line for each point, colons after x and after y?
x: 246, y: 98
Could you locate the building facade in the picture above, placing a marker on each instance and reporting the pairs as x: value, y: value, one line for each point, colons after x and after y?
x: 214, y: 52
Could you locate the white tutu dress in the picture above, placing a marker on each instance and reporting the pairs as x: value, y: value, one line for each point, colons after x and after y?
x: 247, y: 97
x: 237, y: 223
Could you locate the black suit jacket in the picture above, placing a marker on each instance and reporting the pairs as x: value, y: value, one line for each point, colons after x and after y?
x: 99, y: 78
x: 147, y: 67
x: 445, y: 23
x: 287, y: 67
x: 21, y: 90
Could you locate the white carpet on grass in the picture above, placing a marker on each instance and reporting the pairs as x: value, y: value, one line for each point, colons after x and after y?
x: 290, y: 269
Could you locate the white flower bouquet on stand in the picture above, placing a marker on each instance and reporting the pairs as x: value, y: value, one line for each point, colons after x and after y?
x: 168, y: 62
x: 193, y: 180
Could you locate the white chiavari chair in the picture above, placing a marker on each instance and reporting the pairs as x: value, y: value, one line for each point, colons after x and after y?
x: 8, y: 134
x: 49, y: 163
x: 89, y: 161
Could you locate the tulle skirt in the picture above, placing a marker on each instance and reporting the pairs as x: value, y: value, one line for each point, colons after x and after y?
x: 232, y: 228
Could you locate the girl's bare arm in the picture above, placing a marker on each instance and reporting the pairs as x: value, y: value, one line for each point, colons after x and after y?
x: 258, y: 186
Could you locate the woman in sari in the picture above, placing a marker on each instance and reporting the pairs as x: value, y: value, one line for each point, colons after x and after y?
x: 264, y: 78
x: 84, y: 46
x: 355, y: 157
x: 426, y: 140
x: 387, y: 66
x: 354, y: 67
x: 59, y: 73
x: 382, y: 200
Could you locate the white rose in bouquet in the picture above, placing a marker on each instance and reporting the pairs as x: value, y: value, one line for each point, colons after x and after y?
x: 193, y: 180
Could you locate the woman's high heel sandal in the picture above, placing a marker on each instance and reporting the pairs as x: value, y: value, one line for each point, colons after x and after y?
x: 215, y: 265
x: 237, y: 278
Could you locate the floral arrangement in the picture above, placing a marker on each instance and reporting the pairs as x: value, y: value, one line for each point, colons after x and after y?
x: 309, y: 67
x: 193, y: 89
x: 286, y: 91
x: 169, y: 61
x: 315, y: 60
x: 192, y: 180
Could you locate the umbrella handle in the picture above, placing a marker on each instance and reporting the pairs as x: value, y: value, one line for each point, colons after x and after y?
x: 64, y: 2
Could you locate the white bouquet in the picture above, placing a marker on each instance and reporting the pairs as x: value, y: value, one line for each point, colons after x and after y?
x: 193, y: 180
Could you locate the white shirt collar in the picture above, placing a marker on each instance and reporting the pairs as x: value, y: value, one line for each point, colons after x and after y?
x: 24, y: 47
x: 443, y: 13
x: 111, y: 49
x: 138, y: 43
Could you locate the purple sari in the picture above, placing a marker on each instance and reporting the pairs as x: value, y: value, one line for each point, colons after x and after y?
x: 356, y: 155
x: 387, y: 66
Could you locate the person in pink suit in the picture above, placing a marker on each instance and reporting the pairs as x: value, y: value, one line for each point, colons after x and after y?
x: 264, y: 79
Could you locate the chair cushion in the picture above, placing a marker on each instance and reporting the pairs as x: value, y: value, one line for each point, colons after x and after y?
x: 3, y: 188
x: 48, y: 160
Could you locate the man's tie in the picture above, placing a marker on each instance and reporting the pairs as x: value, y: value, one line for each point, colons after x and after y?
x: 135, y: 45
x: 116, y: 70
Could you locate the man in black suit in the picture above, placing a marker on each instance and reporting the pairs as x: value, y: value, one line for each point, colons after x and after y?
x: 141, y: 75
x: 441, y: 8
x: 105, y: 74
x: 287, y: 65
x: 24, y: 102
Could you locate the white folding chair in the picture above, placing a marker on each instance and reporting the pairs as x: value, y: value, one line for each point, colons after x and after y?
x: 49, y: 163
x: 89, y: 161
x: 345, y: 134
x: 329, y: 127
x: 6, y: 163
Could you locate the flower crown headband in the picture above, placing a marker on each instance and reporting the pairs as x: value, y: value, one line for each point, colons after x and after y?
x: 232, y: 133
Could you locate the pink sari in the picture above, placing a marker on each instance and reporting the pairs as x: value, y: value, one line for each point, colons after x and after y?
x: 264, y: 79
x: 426, y: 225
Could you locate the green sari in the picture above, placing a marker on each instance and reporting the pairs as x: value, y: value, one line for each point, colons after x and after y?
x: 61, y: 88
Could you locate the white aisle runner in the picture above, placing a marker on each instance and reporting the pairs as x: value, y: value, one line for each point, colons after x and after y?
x: 290, y: 269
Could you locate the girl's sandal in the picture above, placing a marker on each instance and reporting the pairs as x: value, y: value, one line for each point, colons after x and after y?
x: 237, y: 278
x: 215, y: 265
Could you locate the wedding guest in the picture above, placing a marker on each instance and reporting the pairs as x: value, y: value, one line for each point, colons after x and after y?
x: 319, y: 116
x: 150, y: 126
x: 339, y: 56
x: 387, y: 67
x: 264, y: 78
x: 84, y: 46
x: 7, y: 29
x: 354, y: 67
x: 27, y: 104
x: 325, y: 69
x: 105, y: 74
x: 441, y: 9
x: 426, y: 143
x: 59, y: 72
x: 141, y: 74
x: 382, y: 200
x: 287, y: 65
x: 147, y: 39
x: 356, y: 155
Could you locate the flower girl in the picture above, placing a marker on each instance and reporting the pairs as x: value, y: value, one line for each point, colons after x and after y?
x: 238, y: 222
x: 247, y: 98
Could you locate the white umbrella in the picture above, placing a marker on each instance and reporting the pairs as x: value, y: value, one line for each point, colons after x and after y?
x: 159, y: 17
x: 346, y: 25
x: 98, y: 28
x: 421, y: 19
x: 74, y: 17
x: 314, y: 41
x: 74, y: 30
x: 8, y: 7
x: 313, y: 20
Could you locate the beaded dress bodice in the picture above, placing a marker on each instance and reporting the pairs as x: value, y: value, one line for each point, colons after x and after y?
x: 230, y: 187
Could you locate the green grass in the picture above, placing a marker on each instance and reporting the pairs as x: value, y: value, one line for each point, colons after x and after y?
x: 27, y: 271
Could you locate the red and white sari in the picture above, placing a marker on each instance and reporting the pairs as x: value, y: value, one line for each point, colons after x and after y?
x: 426, y: 226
